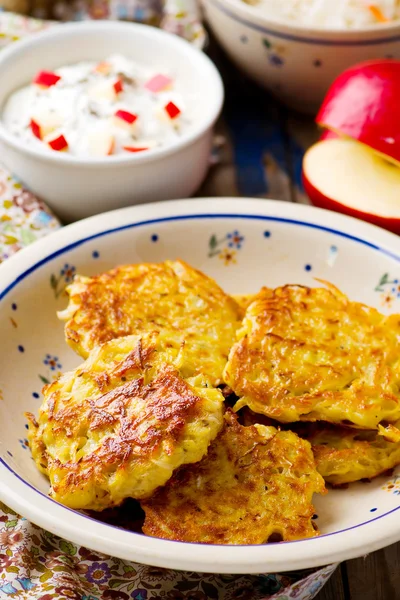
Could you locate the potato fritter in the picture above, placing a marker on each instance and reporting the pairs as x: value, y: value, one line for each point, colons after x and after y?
x: 255, y: 482
x: 121, y: 423
x: 344, y: 455
x: 311, y: 354
x: 171, y: 297
x: 245, y: 300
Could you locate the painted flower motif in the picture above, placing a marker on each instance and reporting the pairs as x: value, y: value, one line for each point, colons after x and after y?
x: 68, y: 272
x: 235, y: 240
x: 387, y: 299
x: 24, y: 443
x: 98, y: 573
x: 276, y: 60
x: 228, y: 256
x: 52, y: 362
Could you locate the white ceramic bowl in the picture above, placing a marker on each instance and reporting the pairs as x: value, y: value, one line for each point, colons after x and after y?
x: 296, y: 63
x: 76, y: 187
x: 281, y: 243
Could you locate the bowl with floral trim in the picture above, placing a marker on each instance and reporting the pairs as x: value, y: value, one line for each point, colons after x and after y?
x: 243, y: 244
x: 101, y: 115
x: 295, y: 60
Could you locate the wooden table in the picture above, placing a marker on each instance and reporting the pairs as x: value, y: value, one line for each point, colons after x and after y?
x: 261, y: 146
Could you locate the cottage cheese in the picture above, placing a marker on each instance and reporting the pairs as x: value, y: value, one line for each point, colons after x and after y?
x: 98, y: 109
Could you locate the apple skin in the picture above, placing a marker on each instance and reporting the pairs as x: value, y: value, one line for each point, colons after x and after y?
x: 363, y: 104
x: 322, y: 201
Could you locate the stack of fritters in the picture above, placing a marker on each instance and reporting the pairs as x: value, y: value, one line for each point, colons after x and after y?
x: 313, y: 378
x: 311, y: 355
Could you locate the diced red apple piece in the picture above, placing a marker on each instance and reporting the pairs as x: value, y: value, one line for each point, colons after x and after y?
x: 118, y: 86
x: 101, y: 143
x: 103, y: 67
x: 172, y: 110
x: 57, y: 142
x: 158, y: 83
x: 44, y: 123
x: 348, y: 177
x: 35, y: 127
x: 363, y: 104
x: 46, y: 79
x: 106, y: 90
x: 125, y: 119
x: 140, y: 146
x: 136, y: 148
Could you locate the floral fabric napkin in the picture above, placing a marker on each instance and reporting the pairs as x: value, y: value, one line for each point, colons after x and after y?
x: 37, y: 565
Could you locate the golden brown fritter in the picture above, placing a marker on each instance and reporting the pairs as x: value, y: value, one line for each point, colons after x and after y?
x: 171, y: 297
x: 244, y: 301
x: 254, y: 483
x: 311, y: 354
x: 119, y: 425
x: 344, y: 455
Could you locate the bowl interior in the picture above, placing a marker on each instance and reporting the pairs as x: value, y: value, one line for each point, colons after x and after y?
x: 67, y: 44
x: 265, y: 250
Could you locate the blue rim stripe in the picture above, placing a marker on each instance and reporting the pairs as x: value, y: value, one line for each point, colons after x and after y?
x: 74, y: 245
x: 299, y: 38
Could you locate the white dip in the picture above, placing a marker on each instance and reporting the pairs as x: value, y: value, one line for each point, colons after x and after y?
x: 98, y: 109
x: 331, y: 14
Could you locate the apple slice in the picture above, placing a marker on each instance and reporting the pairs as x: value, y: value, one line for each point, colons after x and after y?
x: 140, y: 146
x: 158, y: 83
x: 101, y: 143
x: 106, y: 90
x: 57, y: 142
x: 46, y: 79
x: 103, y: 67
x: 44, y: 122
x: 363, y: 104
x: 125, y: 119
x: 136, y: 148
x: 348, y: 177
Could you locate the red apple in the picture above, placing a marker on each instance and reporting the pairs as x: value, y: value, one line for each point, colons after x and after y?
x: 172, y: 110
x: 118, y: 86
x: 106, y: 90
x: 57, y: 142
x: 348, y: 177
x: 135, y: 148
x: 363, y: 104
x: 125, y: 119
x: 46, y: 79
x: 103, y: 67
x: 101, y: 143
x: 35, y: 127
x: 158, y: 83
x: 44, y: 122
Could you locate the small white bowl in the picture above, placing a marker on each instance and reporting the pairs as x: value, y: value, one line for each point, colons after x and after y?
x: 296, y: 63
x: 78, y: 187
x: 276, y: 243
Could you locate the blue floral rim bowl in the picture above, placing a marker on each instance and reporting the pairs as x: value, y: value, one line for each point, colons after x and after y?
x: 244, y: 244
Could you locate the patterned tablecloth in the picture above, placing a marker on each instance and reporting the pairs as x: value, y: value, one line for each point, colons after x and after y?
x: 35, y: 564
